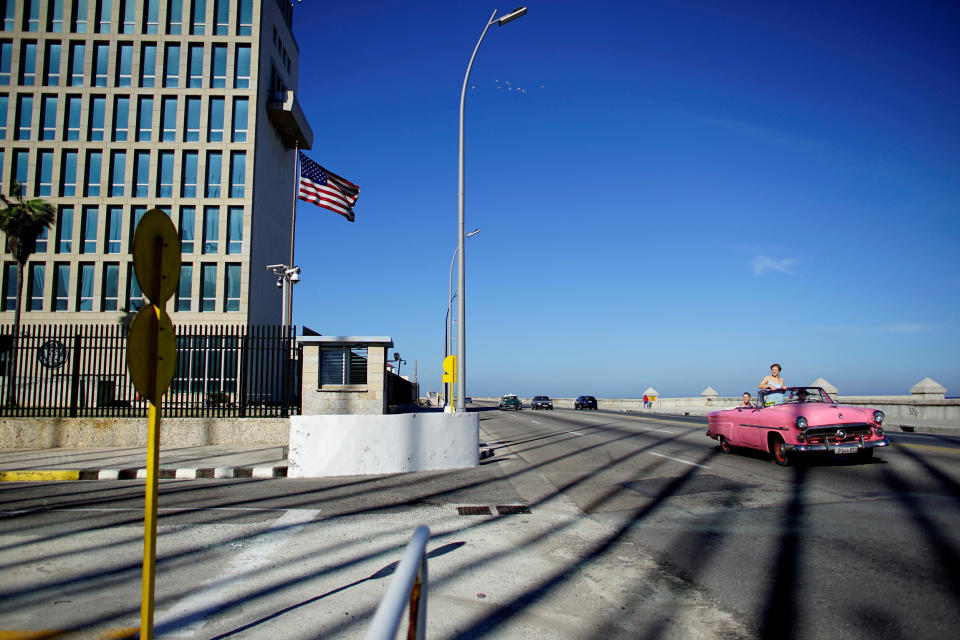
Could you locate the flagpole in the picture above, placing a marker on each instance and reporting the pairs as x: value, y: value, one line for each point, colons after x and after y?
x: 293, y: 228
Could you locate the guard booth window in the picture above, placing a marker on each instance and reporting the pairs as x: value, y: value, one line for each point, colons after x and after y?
x: 343, y: 364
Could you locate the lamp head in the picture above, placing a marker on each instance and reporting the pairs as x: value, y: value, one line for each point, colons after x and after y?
x: 513, y: 15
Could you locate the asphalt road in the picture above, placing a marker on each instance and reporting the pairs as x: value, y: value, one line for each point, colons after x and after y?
x: 638, y: 527
x: 827, y: 548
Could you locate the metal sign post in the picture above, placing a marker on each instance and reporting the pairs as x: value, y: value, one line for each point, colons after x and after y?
x: 152, y: 358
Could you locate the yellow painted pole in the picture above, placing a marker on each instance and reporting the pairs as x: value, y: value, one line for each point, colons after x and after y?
x: 150, y: 525
x: 153, y: 462
x: 151, y: 359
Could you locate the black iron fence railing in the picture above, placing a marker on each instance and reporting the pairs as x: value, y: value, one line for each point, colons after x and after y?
x: 81, y: 370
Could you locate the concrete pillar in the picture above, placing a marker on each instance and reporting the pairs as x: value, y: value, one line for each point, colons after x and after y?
x: 826, y: 386
x: 928, y: 389
x: 377, y: 375
x: 708, y: 395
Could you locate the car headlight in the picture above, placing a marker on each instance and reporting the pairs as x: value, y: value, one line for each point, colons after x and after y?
x: 878, y: 417
x: 801, y: 422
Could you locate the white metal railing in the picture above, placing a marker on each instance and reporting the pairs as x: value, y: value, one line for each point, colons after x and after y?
x: 409, y: 585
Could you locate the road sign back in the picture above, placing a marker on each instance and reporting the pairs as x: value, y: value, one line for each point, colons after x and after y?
x: 156, y: 256
x: 151, y: 352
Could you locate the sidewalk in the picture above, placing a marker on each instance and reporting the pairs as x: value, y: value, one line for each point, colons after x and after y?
x: 912, y: 425
x: 17, y: 465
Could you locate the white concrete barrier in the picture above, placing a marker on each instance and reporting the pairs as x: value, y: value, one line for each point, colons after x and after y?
x: 341, y: 445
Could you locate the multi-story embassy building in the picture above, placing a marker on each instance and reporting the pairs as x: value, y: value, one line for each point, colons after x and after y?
x: 109, y: 108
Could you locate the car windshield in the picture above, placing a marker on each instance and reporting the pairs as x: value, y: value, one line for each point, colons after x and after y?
x: 590, y: 398
x: 794, y: 394
x: 541, y: 398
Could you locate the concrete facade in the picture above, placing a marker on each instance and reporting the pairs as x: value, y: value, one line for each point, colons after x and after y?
x: 354, y: 445
x: 110, y: 114
x: 369, y: 398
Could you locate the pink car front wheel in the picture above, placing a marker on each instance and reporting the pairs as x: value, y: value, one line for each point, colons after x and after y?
x: 778, y: 449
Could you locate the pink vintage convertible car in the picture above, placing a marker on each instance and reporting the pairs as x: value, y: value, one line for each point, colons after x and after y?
x: 799, y: 420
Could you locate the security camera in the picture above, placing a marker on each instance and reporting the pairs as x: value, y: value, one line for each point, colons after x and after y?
x: 279, y: 283
x: 295, y: 276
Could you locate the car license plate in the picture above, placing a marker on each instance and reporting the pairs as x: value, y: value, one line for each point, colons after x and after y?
x: 846, y: 449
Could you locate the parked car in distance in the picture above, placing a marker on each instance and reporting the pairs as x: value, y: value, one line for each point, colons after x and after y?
x: 510, y: 401
x: 541, y: 402
x: 585, y: 402
x: 799, y: 420
x: 468, y: 399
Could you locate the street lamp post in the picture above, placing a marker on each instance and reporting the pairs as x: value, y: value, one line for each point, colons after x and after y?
x: 448, y: 322
x: 461, y: 272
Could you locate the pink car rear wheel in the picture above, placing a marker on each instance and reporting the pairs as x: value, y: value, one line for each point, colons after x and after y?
x: 724, y: 445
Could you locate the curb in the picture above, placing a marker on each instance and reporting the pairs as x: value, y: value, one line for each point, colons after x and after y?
x: 943, y: 430
x: 188, y: 473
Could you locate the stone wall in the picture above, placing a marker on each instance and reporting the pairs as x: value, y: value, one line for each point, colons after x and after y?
x: 368, y: 399
x: 900, y: 409
x: 79, y: 433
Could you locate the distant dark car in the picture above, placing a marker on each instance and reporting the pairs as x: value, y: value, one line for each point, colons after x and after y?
x: 541, y: 402
x: 468, y: 399
x: 585, y: 402
x: 510, y: 401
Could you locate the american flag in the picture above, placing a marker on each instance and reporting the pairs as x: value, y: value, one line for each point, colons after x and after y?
x: 326, y: 189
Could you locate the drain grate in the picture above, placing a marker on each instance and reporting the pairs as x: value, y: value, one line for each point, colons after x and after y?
x: 474, y: 511
x: 511, y: 509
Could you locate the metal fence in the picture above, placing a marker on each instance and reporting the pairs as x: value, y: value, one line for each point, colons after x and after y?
x: 81, y: 370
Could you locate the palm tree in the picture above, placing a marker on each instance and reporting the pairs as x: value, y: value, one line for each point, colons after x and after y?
x: 22, y: 221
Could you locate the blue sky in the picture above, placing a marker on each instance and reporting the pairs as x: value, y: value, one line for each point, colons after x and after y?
x: 672, y: 194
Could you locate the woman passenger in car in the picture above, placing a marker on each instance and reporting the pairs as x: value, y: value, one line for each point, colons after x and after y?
x: 773, y: 381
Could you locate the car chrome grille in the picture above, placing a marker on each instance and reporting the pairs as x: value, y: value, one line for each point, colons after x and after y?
x: 829, y: 431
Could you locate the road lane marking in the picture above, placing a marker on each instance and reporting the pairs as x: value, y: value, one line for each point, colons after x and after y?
x: 692, y: 464
x: 576, y: 433
x: 534, y: 422
x: 593, y: 420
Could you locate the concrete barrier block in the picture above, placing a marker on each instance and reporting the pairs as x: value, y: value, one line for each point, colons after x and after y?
x: 338, y: 445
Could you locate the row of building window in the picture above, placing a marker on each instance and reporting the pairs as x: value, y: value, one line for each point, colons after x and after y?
x: 85, y: 298
x: 177, y: 16
x: 99, y: 73
x: 192, y: 121
x: 100, y: 230
x: 170, y: 179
